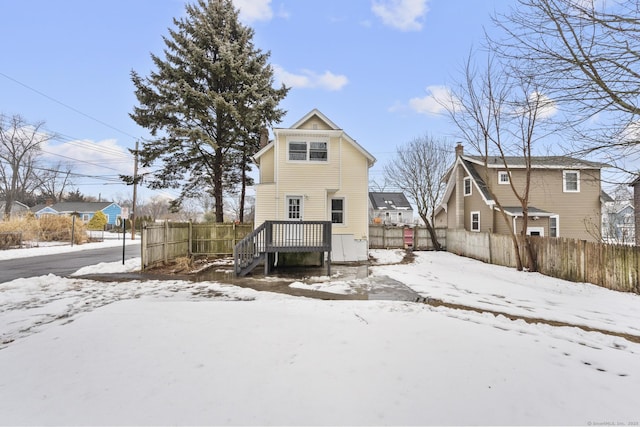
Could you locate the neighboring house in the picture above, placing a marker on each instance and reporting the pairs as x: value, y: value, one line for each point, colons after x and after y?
x: 564, y: 199
x: 17, y: 209
x: 84, y: 210
x: 314, y: 171
x: 618, y: 220
x: 389, y: 208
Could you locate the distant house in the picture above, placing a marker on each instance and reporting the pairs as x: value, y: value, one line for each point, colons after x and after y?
x: 17, y: 209
x: 84, y: 210
x: 618, y: 220
x: 389, y: 208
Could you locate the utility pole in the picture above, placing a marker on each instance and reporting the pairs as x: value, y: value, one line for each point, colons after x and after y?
x: 135, y: 188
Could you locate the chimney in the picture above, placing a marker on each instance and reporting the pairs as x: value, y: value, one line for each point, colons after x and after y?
x: 459, y: 149
x: 264, y: 137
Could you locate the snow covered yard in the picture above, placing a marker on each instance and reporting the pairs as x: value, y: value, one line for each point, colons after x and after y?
x: 81, y: 352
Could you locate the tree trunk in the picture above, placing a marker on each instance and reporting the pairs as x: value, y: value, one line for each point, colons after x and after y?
x: 217, y: 185
x: 432, y: 234
x: 243, y: 189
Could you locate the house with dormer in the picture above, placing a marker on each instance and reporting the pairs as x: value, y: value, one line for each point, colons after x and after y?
x: 564, y: 200
x: 390, y: 208
x: 315, y: 171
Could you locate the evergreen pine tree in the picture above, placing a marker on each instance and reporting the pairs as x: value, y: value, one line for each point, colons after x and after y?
x: 205, y: 103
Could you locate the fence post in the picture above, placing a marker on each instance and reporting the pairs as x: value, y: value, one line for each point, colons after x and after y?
x: 190, y: 240
x: 165, y: 233
x: 143, y: 247
x: 584, y: 260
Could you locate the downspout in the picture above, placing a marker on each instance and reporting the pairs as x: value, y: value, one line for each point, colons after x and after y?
x: 276, y: 161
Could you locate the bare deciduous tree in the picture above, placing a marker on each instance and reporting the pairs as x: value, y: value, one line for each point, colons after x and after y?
x: 54, y: 181
x: 417, y: 169
x: 499, y: 115
x: 583, y: 54
x: 19, y: 147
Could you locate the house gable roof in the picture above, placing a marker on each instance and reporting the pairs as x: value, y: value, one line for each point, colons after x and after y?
x: 538, y: 162
x: 386, y: 200
x: 70, y: 207
x: 332, y: 128
x: 15, y: 204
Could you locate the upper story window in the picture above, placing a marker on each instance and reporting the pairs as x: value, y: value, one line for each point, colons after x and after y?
x: 503, y: 177
x: 314, y: 151
x: 571, y: 181
x: 467, y: 186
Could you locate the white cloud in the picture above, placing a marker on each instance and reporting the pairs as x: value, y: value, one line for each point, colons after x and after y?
x: 546, y: 106
x: 431, y: 104
x: 254, y: 10
x: 308, y: 79
x: 404, y: 15
x: 104, y: 157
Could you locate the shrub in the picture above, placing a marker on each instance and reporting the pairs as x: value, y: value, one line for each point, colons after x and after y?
x: 98, y: 221
x: 58, y: 228
x: 48, y: 228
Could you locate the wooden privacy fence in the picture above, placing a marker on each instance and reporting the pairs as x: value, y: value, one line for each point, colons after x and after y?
x: 167, y: 241
x: 386, y: 237
x: 615, y: 267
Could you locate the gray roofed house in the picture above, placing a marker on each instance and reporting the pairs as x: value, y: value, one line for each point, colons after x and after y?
x: 84, y: 210
x: 17, y: 208
x: 564, y: 199
x: 391, y: 208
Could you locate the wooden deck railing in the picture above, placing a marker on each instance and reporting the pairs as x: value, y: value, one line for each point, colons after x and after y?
x: 281, y: 236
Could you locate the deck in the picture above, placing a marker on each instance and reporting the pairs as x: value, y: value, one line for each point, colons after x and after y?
x: 272, y: 237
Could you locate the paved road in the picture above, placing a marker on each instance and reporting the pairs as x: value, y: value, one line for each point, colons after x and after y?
x: 62, y: 264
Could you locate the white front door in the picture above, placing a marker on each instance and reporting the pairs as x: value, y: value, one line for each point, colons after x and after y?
x: 294, y: 208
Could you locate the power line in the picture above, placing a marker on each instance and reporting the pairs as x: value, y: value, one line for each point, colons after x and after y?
x: 66, y: 105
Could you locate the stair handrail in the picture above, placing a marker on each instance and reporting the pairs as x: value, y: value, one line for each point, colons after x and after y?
x: 247, y: 249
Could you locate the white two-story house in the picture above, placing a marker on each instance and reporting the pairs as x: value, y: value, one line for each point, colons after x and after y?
x: 314, y: 171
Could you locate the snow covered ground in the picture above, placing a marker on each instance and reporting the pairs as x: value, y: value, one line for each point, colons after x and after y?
x: 75, y: 351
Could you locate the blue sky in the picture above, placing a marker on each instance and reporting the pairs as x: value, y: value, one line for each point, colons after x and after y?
x: 371, y: 66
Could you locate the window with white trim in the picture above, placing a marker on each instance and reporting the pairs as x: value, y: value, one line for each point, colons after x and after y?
x: 313, y: 151
x: 297, y: 150
x: 571, y: 181
x: 503, y: 177
x: 337, y: 211
x: 554, y: 226
x: 294, y: 207
x: 467, y: 186
x: 475, y: 221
